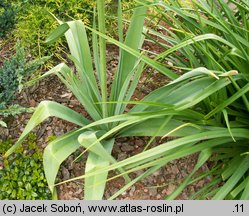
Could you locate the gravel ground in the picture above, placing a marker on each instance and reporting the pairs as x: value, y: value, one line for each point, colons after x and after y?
x: 157, y: 186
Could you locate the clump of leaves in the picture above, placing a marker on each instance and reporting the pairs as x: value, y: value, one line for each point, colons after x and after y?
x: 22, y: 177
x: 214, y: 35
x: 91, y: 90
x: 7, y: 17
x: 4, y: 146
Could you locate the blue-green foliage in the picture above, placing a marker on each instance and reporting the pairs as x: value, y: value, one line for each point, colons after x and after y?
x: 7, y: 17
x: 13, y: 74
x: 10, y: 75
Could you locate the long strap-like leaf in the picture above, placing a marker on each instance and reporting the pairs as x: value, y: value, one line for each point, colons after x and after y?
x: 43, y: 111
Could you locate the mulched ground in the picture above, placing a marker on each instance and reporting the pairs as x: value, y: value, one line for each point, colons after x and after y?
x: 157, y: 186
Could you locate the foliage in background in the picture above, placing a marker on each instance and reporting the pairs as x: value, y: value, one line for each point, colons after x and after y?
x: 35, y: 23
x: 22, y: 177
x: 7, y: 17
x: 13, y: 75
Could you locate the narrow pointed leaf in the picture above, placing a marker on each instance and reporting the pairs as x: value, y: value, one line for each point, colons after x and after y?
x: 44, y: 110
x: 95, y: 185
x: 57, y: 33
x: 233, y: 180
x: 56, y: 152
x: 203, y: 157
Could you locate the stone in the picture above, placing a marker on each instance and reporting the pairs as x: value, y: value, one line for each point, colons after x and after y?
x: 139, y: 142
x: 170, y: 189
x: 122, y: 156
x: 153, y: 192
x: 127, y: 148
x: 65, y: 173
x: 132, y: 190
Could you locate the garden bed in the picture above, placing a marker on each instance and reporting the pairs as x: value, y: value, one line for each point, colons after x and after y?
x: 157, y: 186
x: 200, y: 117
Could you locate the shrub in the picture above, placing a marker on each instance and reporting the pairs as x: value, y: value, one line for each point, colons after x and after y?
x: 7, y: 17
x: 13, y: 75
x: 5, y: 146
x: 35, y: 23
x: 22, y: 177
